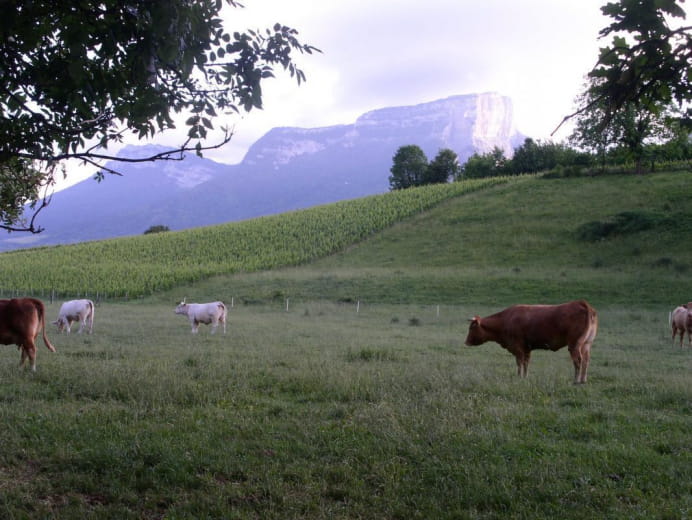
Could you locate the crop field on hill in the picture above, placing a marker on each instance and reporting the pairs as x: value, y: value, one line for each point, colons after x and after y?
x: 343, y: 388
x: 142, y: 265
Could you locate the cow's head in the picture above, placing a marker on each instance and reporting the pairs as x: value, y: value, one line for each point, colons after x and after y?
x: 60, y: 323
x: 475, y: 335
x: 181, y: 308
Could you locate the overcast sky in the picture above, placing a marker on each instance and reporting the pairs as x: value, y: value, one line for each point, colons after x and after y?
x: 381, y: 53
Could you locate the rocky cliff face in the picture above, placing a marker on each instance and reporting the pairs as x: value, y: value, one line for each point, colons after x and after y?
x: 465, y: 124
x: 494, y: 125
x: 287, y: 169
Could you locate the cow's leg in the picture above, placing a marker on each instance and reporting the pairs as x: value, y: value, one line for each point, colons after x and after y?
x: 32, y: 356
x: 576, y: 354
x: 585, y: 358
x: 522, y: 363
x: 581, y: 355
x: 29, y: 351
x: 195, y: 326
x: 214, y: 325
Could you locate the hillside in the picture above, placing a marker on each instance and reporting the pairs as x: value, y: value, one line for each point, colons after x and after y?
x: 144, y: 264
x: 613, y: 239
x: 517, y: 241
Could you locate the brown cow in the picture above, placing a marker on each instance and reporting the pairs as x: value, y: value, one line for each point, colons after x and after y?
x: 681, y: 321
x: 21, y: 319
x: 523, y: 328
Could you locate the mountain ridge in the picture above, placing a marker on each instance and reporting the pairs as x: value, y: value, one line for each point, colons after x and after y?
x: 287, y: 168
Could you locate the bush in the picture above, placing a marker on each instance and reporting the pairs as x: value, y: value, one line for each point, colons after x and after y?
x: 563, y: 172
x: 156, y: 229
x: 621, y: 224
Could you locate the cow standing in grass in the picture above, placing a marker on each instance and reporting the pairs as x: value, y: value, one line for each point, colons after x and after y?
x: 76, y: 310
x: 209, y: 313
x: 21, y: 320
x: 523, y: 328
x: 681, y: 321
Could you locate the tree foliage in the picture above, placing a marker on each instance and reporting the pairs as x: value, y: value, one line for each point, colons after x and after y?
x: 409, y: 167
x: 629, y: 128
x: 535, y: 156
x: 531, y: 157
x: 159, y: 228
x: 489, y: 164
x: 79, y: 76
x: 647, y: 64
x: 443, y: 168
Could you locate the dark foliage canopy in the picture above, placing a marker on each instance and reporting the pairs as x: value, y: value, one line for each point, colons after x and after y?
x: 443, y: 168
x: 411, y: 168
x: 648, y: 64
x: 408, y: 168
x: 78, y: 76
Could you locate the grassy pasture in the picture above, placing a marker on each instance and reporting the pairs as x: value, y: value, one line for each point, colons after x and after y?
x: 511, y: 243
x: 322, y: 412
x: 325, y: 412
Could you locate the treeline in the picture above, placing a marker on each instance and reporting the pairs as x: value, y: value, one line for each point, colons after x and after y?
x: 411, y: 167
x: 563, y: 160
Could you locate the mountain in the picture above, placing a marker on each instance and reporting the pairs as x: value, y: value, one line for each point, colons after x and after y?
x: 286, y: 169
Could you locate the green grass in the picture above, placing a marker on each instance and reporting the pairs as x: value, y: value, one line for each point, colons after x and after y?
x: 361, y: 401
x: 322, y: 412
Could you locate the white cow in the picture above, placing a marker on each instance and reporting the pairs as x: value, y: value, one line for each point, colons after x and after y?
x: 681, y: 321
x: 197, y: 313
x: 76, y: 310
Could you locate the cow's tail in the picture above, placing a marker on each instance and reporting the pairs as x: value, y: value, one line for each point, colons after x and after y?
x: 41, y: 310
x: 591, y: 325
x: 92, y: 309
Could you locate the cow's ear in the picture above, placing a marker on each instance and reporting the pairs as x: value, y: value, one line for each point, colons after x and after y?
x: 475, y: 321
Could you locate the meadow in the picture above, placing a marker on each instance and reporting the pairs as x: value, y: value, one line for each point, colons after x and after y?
x: 360, y: 400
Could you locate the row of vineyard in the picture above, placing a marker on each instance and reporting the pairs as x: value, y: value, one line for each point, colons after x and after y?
x: 144, y: 264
